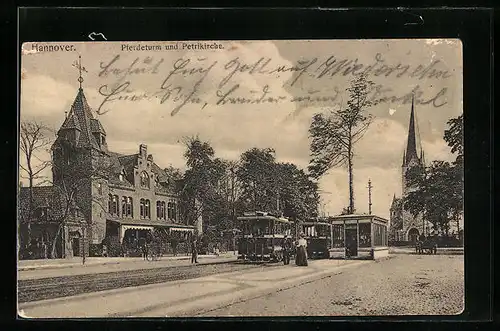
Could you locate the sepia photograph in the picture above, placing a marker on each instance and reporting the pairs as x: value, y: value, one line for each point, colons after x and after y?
x: 240, y: 178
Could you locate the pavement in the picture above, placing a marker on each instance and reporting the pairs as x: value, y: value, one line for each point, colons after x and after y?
x: 402, y: 285
x: 440, y: 250
x: 36, y: 269
x: 77, y: 261
x: 187, y: 297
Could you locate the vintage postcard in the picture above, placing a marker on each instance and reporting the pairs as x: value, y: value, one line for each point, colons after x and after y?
x: 241, y: 178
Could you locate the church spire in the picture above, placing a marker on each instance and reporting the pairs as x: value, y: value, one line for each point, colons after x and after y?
x: 411, y: 147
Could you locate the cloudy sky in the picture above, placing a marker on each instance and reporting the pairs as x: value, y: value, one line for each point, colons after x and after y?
x: 141, y: 111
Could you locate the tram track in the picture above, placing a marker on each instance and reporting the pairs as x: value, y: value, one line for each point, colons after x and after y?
x: 63, y: 286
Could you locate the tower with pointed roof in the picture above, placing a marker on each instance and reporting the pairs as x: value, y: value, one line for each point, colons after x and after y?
x: 403, y: 226
x: 411, y: 157
x: 79, y: 149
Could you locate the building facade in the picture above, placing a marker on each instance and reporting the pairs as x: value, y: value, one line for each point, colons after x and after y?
x: 404, y: 227
x: 120, y: 200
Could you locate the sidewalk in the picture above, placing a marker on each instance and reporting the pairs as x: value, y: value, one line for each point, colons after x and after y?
x: 24, y: 265
x: 187, y: 297
x: 440, y: 250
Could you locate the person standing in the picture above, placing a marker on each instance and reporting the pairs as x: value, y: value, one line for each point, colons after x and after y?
x: 301, y: 257
x: 144, y: 247
x: 287, y: 250
x: 194, y: 251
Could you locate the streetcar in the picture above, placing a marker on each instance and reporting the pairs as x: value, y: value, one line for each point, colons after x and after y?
x: 262, y: 235
x: 319, y: 238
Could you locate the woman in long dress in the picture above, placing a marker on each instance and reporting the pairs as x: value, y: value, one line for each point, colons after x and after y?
x: 301, y: 257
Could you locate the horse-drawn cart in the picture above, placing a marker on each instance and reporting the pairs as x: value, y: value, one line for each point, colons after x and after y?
x: 428, y: 246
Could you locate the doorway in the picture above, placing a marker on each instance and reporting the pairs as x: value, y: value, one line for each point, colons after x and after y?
x: 351, y: 242
x: 75, y: 244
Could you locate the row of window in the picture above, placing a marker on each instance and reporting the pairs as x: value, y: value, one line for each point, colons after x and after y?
x: 364, y: 235
x: 163, y: 210
x: 145, y: 181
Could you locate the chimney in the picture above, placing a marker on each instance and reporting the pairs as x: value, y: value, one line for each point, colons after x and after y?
x: 143, y: 151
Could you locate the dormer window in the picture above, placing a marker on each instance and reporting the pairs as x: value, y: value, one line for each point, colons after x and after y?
x: 144, y: 180
x: 121, y: 176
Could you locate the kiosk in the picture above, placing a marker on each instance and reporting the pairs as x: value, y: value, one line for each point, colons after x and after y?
x: 359, y: 236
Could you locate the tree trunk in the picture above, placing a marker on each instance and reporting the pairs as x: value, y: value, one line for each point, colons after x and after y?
x: 54, y: 242
x: 31, y: 206
x: 351, y: 188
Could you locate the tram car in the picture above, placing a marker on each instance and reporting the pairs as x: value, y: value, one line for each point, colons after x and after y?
x: 319, y: 239
x: 262, y: 235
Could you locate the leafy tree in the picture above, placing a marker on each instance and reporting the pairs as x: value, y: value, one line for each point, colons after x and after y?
x: 454, y: 136
x: 282, y: 188
x: 257, y: 174
x: 201, y: 196
x: 334, y: 135
x: 173, y: 173
x: 299, y: 196
x: 436, y: 195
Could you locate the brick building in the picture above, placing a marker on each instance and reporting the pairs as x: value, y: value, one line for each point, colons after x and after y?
x: 102, y: 197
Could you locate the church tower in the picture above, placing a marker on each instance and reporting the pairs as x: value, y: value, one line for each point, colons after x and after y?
x: 410, y: 155
x: 403, y: 226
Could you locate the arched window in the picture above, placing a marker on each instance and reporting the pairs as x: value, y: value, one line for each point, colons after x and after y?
x: 130, y: 207
x: 145, y: 208
x: 110, y: 203
x: 174, y: 211
x: 142, y: 202
x: 148, y: 209
x: 124, y: 206
x: 113, y: 205
x: 160, y: 210
x: 169, y: 210
x: 144, y: 179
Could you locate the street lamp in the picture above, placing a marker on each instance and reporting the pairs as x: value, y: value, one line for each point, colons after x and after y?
x: 77, y: 214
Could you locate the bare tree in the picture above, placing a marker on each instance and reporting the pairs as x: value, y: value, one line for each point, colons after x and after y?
x: 34, y: 139
x: 335, y: 134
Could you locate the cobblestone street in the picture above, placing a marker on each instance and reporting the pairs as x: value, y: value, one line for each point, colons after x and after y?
x: 401, y: 285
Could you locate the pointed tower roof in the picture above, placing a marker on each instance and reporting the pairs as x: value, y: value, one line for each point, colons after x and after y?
x: 96, y: 126
x: 411, y: 145
x: 71, y: 122
x: 394, y: 201
x: 84, y: 115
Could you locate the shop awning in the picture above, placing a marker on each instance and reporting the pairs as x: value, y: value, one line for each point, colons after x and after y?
x: 150, y: 225
x: 181, y: 229
x: 136, y: 227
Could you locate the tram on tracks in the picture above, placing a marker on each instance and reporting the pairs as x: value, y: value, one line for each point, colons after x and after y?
x: 319, y: 238
x: 262, y: 235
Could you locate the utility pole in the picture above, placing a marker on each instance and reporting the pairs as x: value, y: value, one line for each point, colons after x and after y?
x: 370, y: 196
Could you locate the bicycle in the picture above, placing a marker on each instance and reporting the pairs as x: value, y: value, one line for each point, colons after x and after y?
x: 153, y: 254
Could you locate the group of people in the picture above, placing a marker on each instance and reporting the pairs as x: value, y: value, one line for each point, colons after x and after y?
x: 300, y: 251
